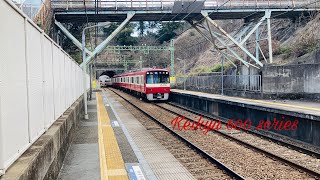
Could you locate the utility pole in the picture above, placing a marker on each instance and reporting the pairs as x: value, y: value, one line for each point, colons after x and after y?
x: 184, y: 72
x: 90, y: 95
x: 172, y: 73
x: 84, y: 68
x: 222, y: 69
x: 140, y: 63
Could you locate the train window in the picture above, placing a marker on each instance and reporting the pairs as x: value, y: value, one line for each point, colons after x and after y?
x: 157, y: 78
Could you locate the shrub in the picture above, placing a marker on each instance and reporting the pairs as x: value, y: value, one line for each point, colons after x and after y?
x: 217, y: 67
x: 284, y: 50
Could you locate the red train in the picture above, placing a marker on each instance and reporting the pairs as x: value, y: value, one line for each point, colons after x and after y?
x: 153, y: 84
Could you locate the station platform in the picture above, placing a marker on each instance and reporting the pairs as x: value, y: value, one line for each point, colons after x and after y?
x: 304, y: 107
x: 120, y: 147
x: 278, y: 112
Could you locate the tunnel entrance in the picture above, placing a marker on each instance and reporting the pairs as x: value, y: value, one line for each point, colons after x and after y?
x: 108, y: 73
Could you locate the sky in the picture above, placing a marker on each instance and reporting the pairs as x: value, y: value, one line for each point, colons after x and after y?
x: 35, y: 2
x: 136, y: 31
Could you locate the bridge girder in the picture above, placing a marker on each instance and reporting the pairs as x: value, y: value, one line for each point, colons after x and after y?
x: 167, y: 15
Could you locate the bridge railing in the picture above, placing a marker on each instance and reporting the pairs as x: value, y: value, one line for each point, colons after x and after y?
x: 38, y: 83
x: 168, y: 4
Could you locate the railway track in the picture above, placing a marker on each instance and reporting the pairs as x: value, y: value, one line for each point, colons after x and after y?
x: 251, y: 161
x: 199, y: 163
x: 293, y: 144
x: 299, y: 160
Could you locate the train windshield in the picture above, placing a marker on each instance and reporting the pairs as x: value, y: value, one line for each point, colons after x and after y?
x: 158, y: 78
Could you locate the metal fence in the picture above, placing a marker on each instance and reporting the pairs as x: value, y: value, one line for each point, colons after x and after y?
x: 38, y: 82
x: 31, y: 7
x: 168, y: 4
x: 214, y: 83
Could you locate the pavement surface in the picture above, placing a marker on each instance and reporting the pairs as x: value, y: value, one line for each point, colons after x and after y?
x: 82, y: 159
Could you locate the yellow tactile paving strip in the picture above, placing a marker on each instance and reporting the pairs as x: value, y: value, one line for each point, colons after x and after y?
x: 111, y: 162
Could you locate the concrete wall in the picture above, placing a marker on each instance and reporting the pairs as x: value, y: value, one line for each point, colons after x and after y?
x: 296, y: 81
x: 43, y: 160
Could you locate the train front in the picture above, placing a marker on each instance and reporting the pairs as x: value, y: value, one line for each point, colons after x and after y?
x: 157, y: 85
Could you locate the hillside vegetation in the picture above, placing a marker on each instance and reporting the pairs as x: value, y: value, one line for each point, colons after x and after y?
x: 290, y: 39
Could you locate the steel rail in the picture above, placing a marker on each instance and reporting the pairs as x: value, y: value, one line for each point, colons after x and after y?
x: 271, y: 155
x: 195, y: 147
x: 275, y: 140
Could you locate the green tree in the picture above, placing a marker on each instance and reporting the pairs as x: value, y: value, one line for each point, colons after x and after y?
x: 142, y: 28
x: 76, y: 30
x: 124, y: 37
x: 167, y: 31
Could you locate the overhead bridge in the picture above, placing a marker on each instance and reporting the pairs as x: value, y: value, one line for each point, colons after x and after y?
x: 170, y: 10
x: 254, y: 12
